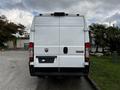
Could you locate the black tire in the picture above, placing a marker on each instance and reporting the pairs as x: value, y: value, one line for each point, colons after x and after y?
x: 86, y: 73
x: 77, y: 77
x: 31, y: 70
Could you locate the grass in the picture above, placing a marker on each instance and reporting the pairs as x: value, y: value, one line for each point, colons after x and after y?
x: 105, y: 72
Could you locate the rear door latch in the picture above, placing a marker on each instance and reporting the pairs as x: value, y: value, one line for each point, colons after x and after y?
x: 65, y: 50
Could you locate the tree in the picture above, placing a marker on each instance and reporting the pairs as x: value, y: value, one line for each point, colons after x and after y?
x: 99, y: 31
x: 3, y: 22
x: 113, y: 38
x: 8, y: 29
x: 106, y: 37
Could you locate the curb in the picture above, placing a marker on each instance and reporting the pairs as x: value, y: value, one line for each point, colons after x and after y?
x: 94, y: 85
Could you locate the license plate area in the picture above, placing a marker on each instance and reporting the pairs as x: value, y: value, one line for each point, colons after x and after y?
x: 46, y: 59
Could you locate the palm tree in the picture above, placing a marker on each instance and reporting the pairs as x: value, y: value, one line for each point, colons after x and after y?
x: 99, y: 31
x: 113, y: 38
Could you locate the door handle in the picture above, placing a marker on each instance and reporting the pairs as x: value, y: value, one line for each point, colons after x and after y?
x: 65, y: 50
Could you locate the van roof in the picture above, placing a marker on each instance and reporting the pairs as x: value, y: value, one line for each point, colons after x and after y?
x: 59, y: 14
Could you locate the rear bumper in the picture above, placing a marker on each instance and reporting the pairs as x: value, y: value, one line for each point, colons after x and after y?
x: 59, y: 71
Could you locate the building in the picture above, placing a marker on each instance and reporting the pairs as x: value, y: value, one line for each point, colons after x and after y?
x: 20, y: 43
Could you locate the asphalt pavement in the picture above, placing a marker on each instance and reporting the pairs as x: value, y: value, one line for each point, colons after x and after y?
x: 14, y: 75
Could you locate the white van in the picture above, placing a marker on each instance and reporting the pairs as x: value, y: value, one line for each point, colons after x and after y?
x: 59, y: 45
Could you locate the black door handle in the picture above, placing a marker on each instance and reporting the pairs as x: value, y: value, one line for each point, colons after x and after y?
x: 65, y: 50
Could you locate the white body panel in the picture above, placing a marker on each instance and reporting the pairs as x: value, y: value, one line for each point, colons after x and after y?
x: 71, y: 61
x: 72, y: 21
x: 55, y: 33
x: 72, y: 37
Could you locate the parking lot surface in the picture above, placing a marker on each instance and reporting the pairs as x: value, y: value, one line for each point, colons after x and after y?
x: 14, y: 75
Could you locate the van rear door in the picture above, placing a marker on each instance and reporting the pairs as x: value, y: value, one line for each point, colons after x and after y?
x: 46, y: 46
x: 72, y: 41
x: 59, y: 37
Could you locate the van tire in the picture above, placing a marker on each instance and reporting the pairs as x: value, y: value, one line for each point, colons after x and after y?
x: 86, y: 70
x: 77, y: 77
x: 32, y: 71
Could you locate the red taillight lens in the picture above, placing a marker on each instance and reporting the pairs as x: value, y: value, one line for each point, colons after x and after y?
x: 31, y: 45
x: 87, y: 45
x: 31, y: 51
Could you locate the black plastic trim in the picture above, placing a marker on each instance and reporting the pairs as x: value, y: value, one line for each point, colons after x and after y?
x: 46, y: 59
x: 79, y: 51
x: 52, y: 71
x: 65, y: 50
x: 59, y: 14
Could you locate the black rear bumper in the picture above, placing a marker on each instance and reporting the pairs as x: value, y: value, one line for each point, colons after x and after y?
x: 62, y: 71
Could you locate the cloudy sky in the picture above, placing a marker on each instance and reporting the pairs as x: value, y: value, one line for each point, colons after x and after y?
x: 96, y: 11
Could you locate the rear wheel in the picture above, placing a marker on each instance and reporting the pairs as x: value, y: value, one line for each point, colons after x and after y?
x: 31, y: 70
x: 86, y: 72
x: 77, y: 77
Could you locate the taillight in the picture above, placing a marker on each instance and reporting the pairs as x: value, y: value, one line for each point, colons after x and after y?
x: 87, y: 45
x: 31, y: 45
x: 87, y: 49
x: 31, y: 51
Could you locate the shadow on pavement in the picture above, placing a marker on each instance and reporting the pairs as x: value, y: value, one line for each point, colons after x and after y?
x: 63, y: 84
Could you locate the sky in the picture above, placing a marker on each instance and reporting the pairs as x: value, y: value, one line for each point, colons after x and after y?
x: 95, y: 11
